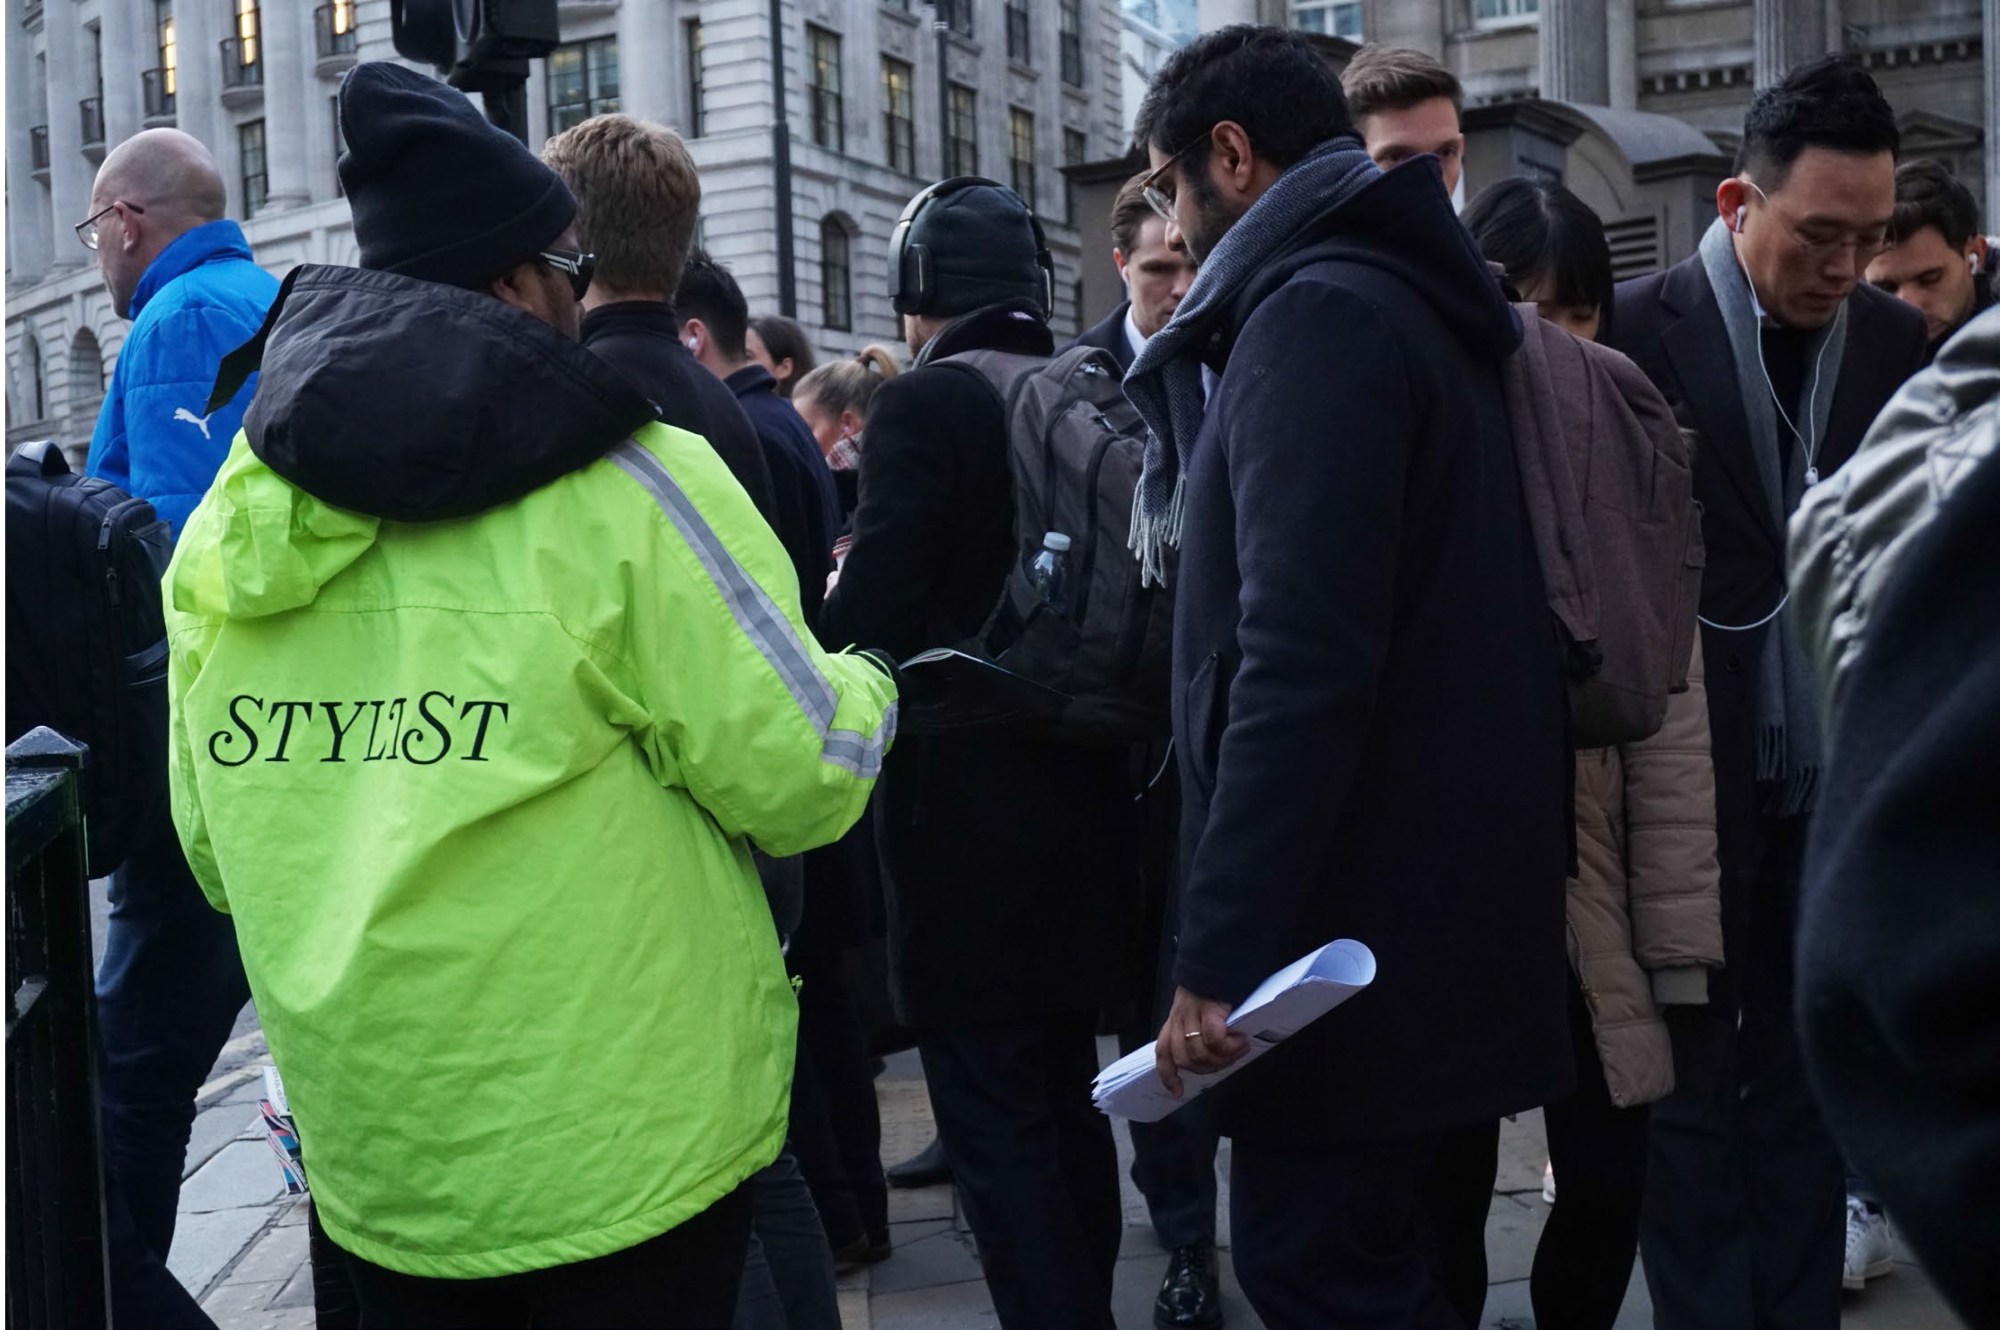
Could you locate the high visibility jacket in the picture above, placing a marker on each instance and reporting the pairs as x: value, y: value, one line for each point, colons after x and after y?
x: 479, y: 793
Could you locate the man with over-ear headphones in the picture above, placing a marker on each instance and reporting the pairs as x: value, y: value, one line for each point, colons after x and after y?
x: 1009, y: 861
x: 1778, y: 355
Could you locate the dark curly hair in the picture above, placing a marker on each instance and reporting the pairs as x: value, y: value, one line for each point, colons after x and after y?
x: 1829, y: 103
x: 1271, y: 81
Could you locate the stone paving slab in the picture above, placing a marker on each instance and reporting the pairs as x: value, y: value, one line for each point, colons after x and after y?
x: 205, y: 1244
x: 242, y: 1174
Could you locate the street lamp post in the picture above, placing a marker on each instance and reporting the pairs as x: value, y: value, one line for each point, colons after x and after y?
x: 781, y: 165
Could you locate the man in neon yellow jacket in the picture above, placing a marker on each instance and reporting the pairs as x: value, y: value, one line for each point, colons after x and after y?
x: 483, y: 686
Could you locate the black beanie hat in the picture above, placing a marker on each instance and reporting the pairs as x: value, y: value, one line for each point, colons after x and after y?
x: 983, y: 249
x: 437, y: 192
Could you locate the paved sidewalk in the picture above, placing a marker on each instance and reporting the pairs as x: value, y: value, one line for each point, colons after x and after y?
x: 241, y: 1244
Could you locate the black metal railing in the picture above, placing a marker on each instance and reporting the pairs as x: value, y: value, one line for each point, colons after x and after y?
x: 159, y: 101
x: 38, y: 147
x: 239, y: 70
x: 333, y: 38
x: 55, y: 1180
x: 91, y: 113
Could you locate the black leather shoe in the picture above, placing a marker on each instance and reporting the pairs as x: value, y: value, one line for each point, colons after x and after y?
x: 1190, y: 1294
x: 926, y: 1168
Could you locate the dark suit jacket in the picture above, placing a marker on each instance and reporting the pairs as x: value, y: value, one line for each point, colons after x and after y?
x: 1108, y: 335
x: 1670, y: 324
x: 641, y: 340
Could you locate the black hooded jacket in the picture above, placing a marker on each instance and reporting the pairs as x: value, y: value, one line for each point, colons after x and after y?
x: 414, y: 401
x: 1010, y: 863
x: 1368, y: 703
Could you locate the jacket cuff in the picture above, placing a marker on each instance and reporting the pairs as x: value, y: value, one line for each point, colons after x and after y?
x: 1681, y: 986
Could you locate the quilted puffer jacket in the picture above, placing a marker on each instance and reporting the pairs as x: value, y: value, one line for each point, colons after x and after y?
x: 1645, y: 909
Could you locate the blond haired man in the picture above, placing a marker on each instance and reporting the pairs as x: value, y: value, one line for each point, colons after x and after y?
x: 637, y: 197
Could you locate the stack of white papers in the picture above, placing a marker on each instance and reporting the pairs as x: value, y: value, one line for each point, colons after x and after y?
x: 1283, y: 1005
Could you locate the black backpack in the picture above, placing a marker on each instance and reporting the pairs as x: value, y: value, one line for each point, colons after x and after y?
x: 86, y: 638
x: 1074, y: 448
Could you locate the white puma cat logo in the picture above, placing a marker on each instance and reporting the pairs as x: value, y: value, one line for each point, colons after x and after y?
x: 199, y: 422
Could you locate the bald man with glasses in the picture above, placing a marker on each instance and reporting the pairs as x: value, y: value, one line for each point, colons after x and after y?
x: 171, y: 985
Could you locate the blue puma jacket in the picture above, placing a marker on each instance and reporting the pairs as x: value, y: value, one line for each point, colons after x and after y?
x: 203, y: 297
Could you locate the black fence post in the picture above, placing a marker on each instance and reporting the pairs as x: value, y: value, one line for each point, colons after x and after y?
x: 56, y: 1266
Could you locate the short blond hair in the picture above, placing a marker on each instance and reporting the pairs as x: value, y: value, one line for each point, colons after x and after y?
x: 638, y: 199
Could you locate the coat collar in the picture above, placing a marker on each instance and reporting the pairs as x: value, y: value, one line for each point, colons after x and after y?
x: 654, y: 318
x: 186, y: 252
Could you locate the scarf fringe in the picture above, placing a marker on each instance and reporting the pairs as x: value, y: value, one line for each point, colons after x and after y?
x: 1153, y: 534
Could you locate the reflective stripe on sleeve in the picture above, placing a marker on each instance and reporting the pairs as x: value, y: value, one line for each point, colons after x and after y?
x: 760, y: 620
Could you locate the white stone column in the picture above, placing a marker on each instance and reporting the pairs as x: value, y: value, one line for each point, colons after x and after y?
x: 1573, y: 52
x: 285, y: 47
x: 1992, y: 38
x: 70, y: 175
x: 198, y: 32
x: 126, y: 41
x: 1213, y: 14
x: 648, y: 74
x: 1622, y: 53
x: 28, y: 239
x: 1787, y: 33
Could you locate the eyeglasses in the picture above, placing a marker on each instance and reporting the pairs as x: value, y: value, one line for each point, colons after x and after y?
x: 578, y: 266
x: 1819, y: 243
x: 1158, y: 199
x: 86, y: 230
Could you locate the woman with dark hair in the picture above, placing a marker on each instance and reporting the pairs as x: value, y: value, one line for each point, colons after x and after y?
x: 780, y: 345
x: 1644, y: 910
x: 1552, y: 247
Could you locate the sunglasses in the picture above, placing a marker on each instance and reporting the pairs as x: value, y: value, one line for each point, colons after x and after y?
x: 1158, y: 199
x: 579, y: 267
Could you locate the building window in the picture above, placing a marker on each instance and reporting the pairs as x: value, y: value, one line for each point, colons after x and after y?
x: 1069, y: 40
x: 246, y: 29
x: 697, y: 99
x: 835, y: 276
x: 1503, y: 13
x: 250, y: 152
x: 583, y: 82
x: 333, y: 28
x: 962, y: 135
x: 823, y: 88
x: 86, y: 375
x: 1021, y: 154
x: 1075, y: 306
x: 1333, y: 18
x: 1075, y: 145
x: 1017, y: 32
x: 240, y: 65
x: 899, y: 130
x: 163, y: 17
x: 956, y: 15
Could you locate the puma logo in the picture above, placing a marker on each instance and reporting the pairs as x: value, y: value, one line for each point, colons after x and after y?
x: 199, y: 422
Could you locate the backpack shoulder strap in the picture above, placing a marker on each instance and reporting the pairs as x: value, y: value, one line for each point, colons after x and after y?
x: 39, y: 458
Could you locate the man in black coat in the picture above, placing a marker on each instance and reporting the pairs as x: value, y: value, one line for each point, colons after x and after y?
x: 628, y: 317
x: 1777, y: 354
x: 1007, y: 858
x: 715, y: 324
x: 1368, y: 707
x: 1156, y: 275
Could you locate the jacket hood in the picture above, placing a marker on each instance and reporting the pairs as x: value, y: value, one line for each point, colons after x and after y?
x: 1403, y: 224
x: 415, y: 401
x: 208, y: 243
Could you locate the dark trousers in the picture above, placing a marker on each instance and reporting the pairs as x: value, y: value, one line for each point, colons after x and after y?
x: 685, y: 1279
x: 1583, y: 1264
x: 836, y: 1124
x: 168, y: 993
x: 1173, y: 1162
x: 1743, y: 1226
x: 1339, y: 1236
x: 1034, y: 1164
x: 1458, y: 1197
x: 788, y: 1281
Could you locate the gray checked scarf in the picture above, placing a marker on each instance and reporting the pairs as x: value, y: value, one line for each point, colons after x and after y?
x: 1165, y: 385
x: 1785, y: 710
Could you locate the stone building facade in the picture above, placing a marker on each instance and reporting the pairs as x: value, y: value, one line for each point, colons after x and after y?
x: 1028, y: 86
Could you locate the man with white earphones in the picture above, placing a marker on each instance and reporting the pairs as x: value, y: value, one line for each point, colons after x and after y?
x: 1937, y: 260
x: 1778, y: 355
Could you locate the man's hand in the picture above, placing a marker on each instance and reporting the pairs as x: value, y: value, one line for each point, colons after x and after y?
x: 1196, y: 1037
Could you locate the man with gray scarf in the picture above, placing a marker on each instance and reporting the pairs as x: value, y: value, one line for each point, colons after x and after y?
x: 1779, y: 356
x: 1368, y: 709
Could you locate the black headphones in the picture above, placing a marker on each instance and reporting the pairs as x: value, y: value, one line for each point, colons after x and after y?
x: 913, y: 270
